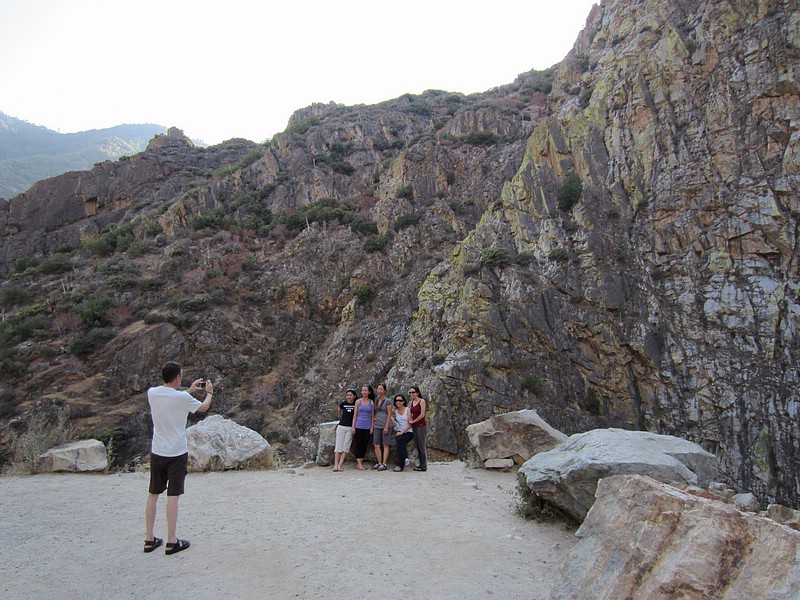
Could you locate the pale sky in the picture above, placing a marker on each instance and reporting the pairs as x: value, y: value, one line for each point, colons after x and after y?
x: 240, y: 68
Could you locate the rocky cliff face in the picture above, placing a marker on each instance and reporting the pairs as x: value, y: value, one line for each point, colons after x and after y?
x: 612, y: 243
x: 666, y: 298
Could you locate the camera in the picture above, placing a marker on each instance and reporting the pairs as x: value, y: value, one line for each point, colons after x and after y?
x: 203, y: 383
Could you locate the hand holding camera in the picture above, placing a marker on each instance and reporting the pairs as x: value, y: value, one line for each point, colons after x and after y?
x: 204, y: 385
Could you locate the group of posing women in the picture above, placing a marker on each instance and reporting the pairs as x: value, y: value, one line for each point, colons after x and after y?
x: 380, y: 419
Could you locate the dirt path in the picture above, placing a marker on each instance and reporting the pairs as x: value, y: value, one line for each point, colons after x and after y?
x: 305, y: 533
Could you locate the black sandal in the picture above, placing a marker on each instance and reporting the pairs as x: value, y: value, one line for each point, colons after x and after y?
x: 150, y: 545
x: 176, y: 547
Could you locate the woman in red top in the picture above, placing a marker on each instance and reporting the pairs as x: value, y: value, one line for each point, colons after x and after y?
x: 419, y: 426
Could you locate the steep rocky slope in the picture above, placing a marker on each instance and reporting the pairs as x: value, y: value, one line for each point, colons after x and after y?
x: 610, y: 243
x: 666, y: 297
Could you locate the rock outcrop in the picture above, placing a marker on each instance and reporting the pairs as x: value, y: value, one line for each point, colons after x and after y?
x: 518, y: 435
x: 326, y: 444
x: 567, y: 476
x: 645, y: 540
x: 219, y: 444
x: 663, y: 295
x: 75, y: 457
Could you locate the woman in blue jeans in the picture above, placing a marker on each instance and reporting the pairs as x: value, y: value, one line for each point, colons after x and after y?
x: 403, y: 433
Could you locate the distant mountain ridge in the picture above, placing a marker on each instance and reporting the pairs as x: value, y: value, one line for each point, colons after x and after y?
x: 29, y: 153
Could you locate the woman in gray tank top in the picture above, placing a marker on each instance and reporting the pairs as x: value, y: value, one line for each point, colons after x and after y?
x: 381, y: 433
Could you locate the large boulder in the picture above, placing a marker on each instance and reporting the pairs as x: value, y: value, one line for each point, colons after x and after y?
x: 647, y: 540
x: 567, y: 476
x: 327, y: 442
x: 516, y: 435
x: 82, y: 456
x: 219, y: 444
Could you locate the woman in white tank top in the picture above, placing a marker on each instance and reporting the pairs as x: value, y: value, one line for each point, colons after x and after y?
x: 403, y: 433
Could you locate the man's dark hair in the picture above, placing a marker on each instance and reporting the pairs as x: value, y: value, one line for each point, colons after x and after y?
x: 170, y: 371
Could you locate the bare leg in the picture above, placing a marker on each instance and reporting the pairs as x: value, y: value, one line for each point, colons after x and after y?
x: 378, y: 454
x: 150, y: 516
x: 172, y: 518
x: 385, y: 454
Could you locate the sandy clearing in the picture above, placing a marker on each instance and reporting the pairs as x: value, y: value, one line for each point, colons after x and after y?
x: 295, y: 533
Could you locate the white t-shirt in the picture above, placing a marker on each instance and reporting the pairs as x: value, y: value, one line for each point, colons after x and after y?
x: 169, y: 408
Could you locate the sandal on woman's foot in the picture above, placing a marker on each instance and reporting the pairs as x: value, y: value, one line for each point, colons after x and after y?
x: 150, y: 545
x: 176, y: 547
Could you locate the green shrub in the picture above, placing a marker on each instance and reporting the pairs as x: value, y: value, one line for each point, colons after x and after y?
x: 19, y: 329
x: 532, y: 384
x: 138, y: 248
x: 58, y: 263
x: 417, y: 105
x: 212, y: 219
x: 539, y: 81
x: 301, y: 127
x: 195, y: 304
x: 250, y: 263
x: 585, y: 97
x: 405, y: 192
x: 117, y: 239
x: 471, y: 269
x: 150, y: 284
x: 481, y: 138
x: 8, y: 404
x: 218, y: 297
x: 249, y: 158
x: 32, y: 310
x: 593, y: 405
x: 101, y: 246
x: 523, y: 259
x: 25, y: 263
x: 570, y: 191
x: 407, y: 220
x: 94, y: 339
x: 94, y: 310
x: 11, y: 368
x: 364, y: 294
x: 15, y: 296
x: 376, y: 243
x: 120, y: 282
x: 335, y: 162
x: 421, y: 137
x: 153, y: 228
x: 230, y: 168
x: 324, y: 211
x: 558, y: 254
x: 495, y: 257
